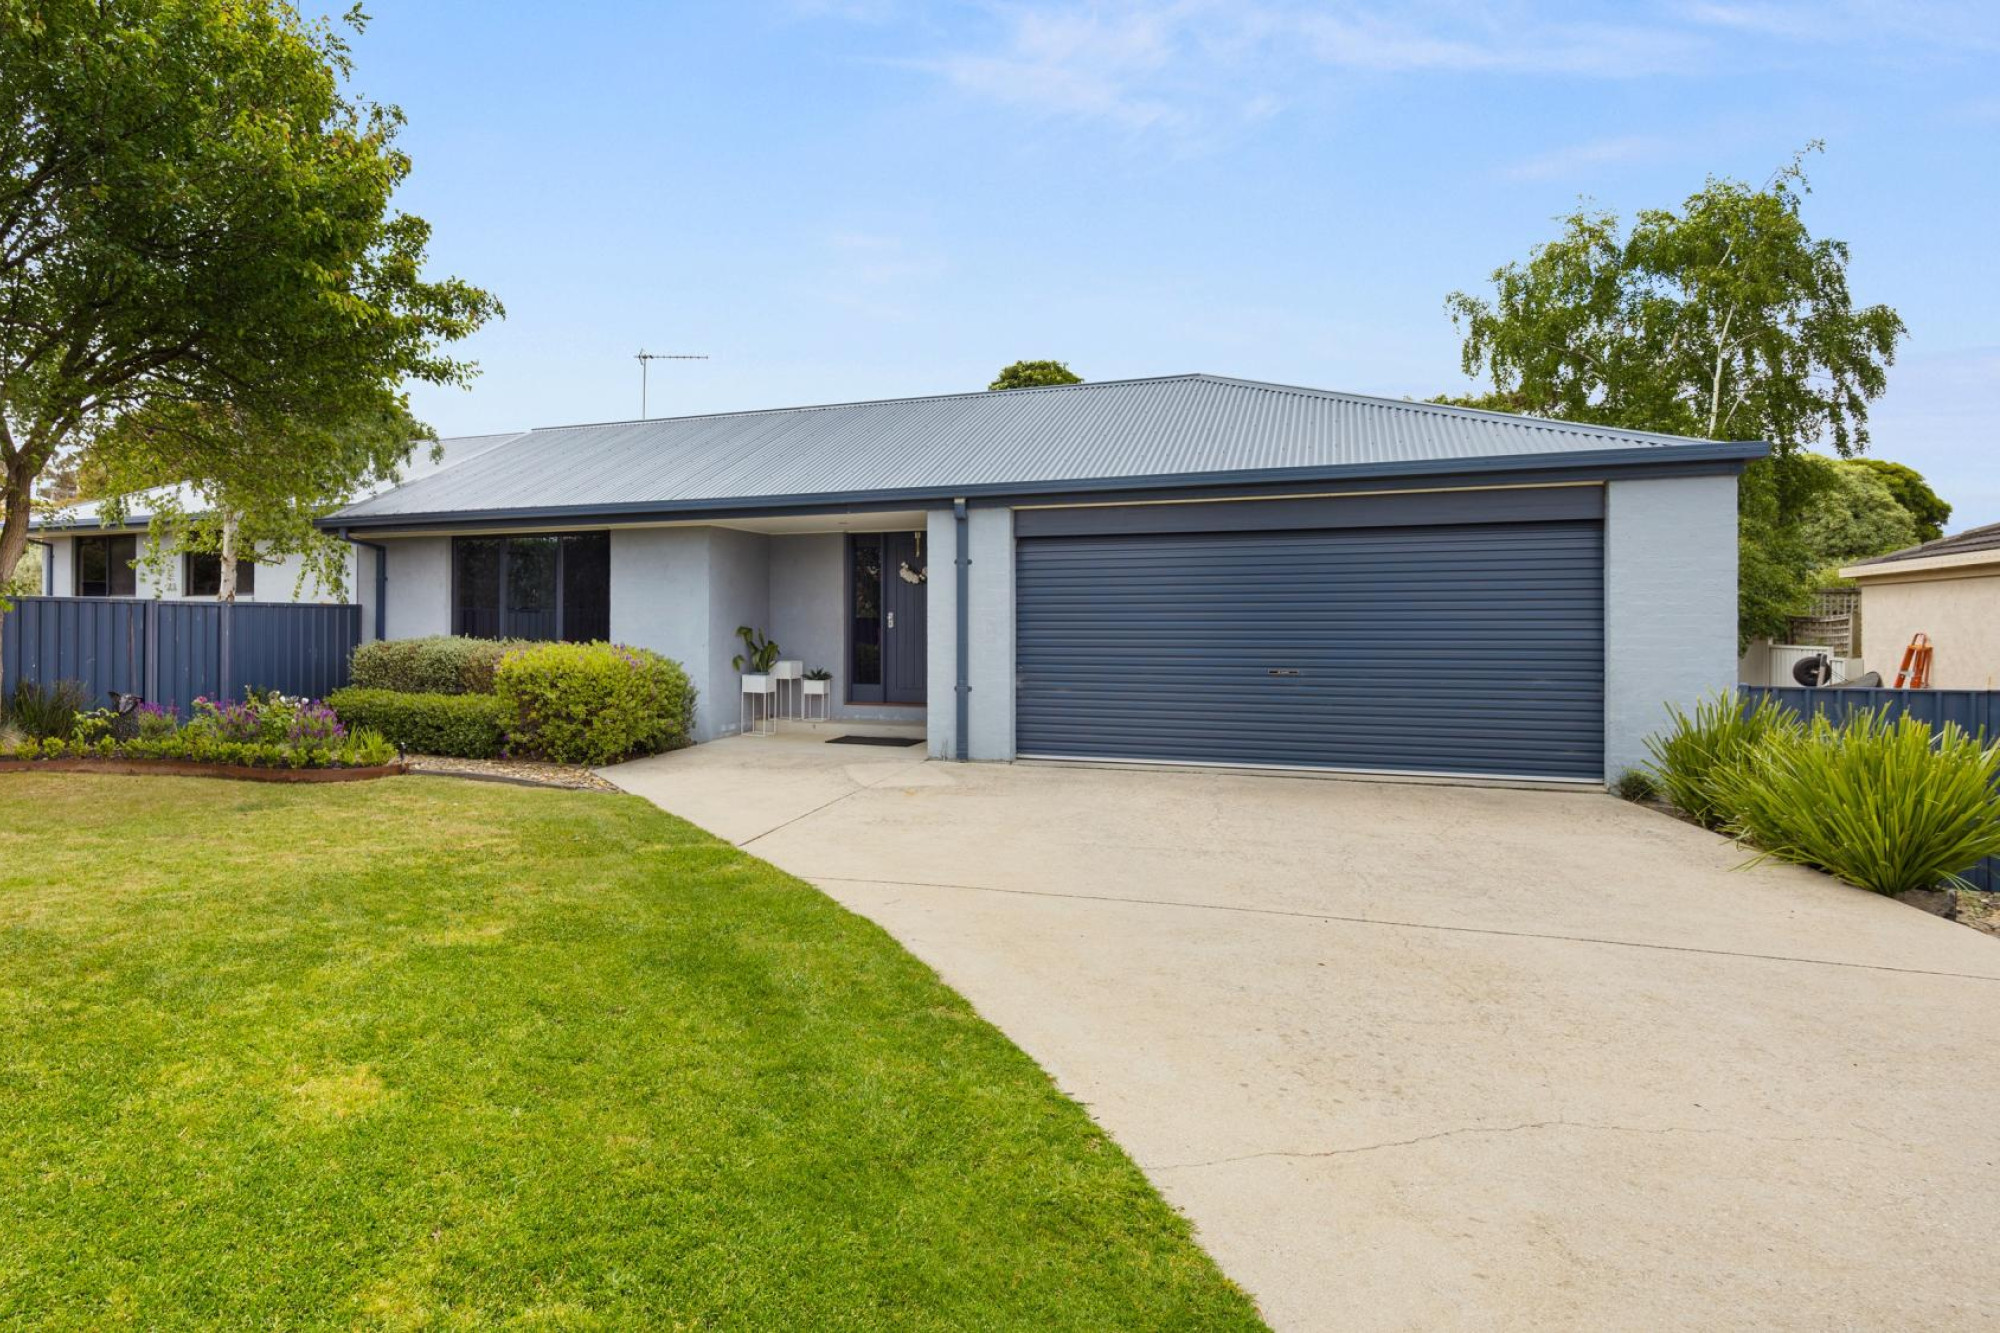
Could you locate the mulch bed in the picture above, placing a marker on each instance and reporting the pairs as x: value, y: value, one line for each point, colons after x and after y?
x: 187, y: 768
x: 521, y: 772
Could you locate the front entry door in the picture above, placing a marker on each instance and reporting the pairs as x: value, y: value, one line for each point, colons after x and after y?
x: 888, y: 627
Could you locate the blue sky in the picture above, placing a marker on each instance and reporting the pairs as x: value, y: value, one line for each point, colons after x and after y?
x: 843, y: 199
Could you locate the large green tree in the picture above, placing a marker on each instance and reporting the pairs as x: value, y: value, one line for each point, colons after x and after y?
x: 1927, y: 509
x: 1853, y: 517
x: 196, y: 233
x: 1726, y: 319
x: 1034, y: 375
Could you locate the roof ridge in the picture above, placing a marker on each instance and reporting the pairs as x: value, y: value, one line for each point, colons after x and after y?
x: 1917, y: 552
x: 885, y: 402
x: 1520, y: 420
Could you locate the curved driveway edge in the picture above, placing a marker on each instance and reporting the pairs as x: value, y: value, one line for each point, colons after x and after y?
x: 1419, y: 1056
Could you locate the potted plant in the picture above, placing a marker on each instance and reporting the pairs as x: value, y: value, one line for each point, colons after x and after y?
x: 818, y: 684
x: 756, y: 660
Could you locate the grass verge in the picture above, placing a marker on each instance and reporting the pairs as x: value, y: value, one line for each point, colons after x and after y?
x: 421, y: 1052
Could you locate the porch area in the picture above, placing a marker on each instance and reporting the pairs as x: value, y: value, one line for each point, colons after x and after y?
x: 847, y: 595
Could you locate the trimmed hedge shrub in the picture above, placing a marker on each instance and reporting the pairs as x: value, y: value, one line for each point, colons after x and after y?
x: 463, y: 726
x: 440, y: 664
x: 594, y: 703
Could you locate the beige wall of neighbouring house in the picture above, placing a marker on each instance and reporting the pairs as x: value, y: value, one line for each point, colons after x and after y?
x: 1961, y: 614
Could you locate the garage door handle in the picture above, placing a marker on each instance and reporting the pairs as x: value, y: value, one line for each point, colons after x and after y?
x: 1283, y: 671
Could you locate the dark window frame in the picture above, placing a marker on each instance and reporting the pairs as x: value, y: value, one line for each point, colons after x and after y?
x: 565, y: 632
x: 246, y: 574
x: 112, y: 565
x: 852, y: 691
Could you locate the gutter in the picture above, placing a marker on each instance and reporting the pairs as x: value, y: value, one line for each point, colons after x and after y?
x: 381, y: 581
x: 964, y: 695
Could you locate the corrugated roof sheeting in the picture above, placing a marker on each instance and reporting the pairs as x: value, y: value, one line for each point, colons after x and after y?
x: 1969, y: 542
x: 1177, y: 426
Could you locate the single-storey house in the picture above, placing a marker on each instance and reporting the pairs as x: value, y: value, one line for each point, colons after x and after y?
x: 1947, y: 589
x: 1182, y: 570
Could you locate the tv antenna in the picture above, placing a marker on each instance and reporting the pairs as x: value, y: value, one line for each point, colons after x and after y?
x: 646, y: 360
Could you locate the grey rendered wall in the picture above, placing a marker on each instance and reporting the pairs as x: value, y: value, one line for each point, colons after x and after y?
x: 419, y: 587
x: 989, y: 635
x: 659, y: 600
x: 941, y: 652
x: 1669, y: 604
x: 61, y: 555
x: 809, y: 613
x: 739, y: 587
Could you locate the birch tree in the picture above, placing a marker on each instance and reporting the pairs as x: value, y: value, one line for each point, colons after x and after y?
x: 1726, y: 320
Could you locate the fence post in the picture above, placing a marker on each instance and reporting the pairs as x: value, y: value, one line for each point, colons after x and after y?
x: 225, y: 661
x: 149, y: 669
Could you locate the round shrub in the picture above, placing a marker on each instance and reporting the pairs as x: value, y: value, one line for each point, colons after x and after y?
x: 439, y: 664
x: 462, y: 726
x: 594, y: 703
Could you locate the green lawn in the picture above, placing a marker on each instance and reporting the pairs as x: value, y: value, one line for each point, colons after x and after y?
x: 423, y: 1053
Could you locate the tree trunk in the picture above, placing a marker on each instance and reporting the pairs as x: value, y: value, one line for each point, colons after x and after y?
x: 15, y: 495
x: 226, y: 588
x: 14, y: 515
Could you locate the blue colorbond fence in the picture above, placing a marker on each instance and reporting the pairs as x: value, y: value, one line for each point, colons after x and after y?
x: 174, y: 652
x: 1977, y: 711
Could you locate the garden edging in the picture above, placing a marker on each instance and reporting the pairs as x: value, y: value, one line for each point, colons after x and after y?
x: 190, y: 769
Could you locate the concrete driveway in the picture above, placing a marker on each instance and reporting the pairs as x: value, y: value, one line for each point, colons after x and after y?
x: 1428, y: 1056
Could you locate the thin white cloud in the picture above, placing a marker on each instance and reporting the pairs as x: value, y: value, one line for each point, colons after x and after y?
x: 1182, y: 66
x: 1576, y: 159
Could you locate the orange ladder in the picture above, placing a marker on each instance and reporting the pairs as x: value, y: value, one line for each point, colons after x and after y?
x: 1916, y: 670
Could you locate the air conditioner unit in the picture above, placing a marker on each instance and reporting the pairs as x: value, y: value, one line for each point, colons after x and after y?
x: 1785, y: 658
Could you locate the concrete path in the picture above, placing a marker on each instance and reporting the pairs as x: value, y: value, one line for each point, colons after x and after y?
x: 1426, y: 1056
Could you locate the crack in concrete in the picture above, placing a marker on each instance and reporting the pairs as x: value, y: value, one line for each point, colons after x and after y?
x: 1386, y: 921
x: 1558, y: 1123
x: 859, y: 787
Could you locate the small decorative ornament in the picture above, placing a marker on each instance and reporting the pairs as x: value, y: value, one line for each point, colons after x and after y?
x: 919, y: 574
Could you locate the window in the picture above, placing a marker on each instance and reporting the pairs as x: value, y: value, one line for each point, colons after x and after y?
x: 539, y: 587
x: 864, y: 635
x: 203, y: 575
x: 104, y: 567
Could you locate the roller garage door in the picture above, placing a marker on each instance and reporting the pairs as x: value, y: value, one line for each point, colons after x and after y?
x: 1443, y: 648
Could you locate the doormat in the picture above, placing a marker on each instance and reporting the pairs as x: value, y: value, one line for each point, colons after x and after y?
x: 875, y: 740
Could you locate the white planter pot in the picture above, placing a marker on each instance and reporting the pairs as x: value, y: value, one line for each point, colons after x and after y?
x: 757, y: 684
x: 817, y: 686
x: 788, y: 671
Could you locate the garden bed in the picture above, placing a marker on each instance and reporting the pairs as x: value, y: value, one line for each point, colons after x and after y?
x: 521, y: 772
x: 187, y: 768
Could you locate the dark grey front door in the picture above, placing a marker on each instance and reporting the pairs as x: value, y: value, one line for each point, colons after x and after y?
x: 887, y: 624
x: 904, y: 624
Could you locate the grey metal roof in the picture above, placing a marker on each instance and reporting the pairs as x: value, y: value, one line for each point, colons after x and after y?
x: 1185, y: 427
x: 1970, y: 541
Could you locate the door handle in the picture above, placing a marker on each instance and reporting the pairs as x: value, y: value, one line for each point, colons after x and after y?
x: 892, y: 620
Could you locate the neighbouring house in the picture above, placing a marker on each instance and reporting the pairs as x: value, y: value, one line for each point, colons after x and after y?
x: 83, y: 557
x: 1948, y: 589
x: 1183, y: 570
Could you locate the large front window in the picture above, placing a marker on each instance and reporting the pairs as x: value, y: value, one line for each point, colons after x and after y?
x: 538, y: 587
x: 104, y: 567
